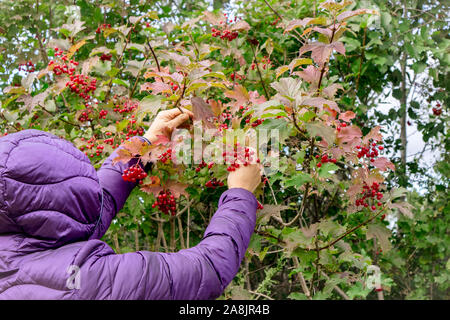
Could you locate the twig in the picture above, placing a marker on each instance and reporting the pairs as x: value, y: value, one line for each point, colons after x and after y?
x: 336, y: 288
x: 180, y: 231
x: 259, y: 72
x: 302, y: 279
x: 260, y: 295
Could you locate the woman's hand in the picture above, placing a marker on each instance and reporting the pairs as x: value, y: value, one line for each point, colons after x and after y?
x: 165, y: 122
x: 245, y: 177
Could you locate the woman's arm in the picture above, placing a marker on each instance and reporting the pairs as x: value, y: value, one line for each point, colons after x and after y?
x: 201, y: 272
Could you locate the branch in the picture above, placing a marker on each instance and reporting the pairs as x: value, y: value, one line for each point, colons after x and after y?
x: 259, y: 72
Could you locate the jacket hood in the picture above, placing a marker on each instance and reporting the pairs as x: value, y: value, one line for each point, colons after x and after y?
x: 49, y: 190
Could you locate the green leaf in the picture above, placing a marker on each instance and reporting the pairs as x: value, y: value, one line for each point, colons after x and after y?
x: 299, y: 179
x: 381, y: 233
x: 326, y: 169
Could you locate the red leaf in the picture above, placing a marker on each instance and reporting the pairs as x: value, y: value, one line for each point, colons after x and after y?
x: 383, y: 164
x: 348, y: 14
x: 123, y: 155
x: 374, y: 134
x: 156, y: 87
x: 330, y: 91
x: 320, y: 102
x: 177, y: 189
x: 347, y: 116
x: 349, y: 134
x: 310, y: 74
x: 202, y: 111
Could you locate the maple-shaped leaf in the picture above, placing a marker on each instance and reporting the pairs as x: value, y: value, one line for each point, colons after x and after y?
x: 135, y: 146
x: 288, y: 87
x: 321, y: 130
x: 404, y: 208
x: 149, y: 104
x: 32, y: 101
x: 239, y: 93
x: 354, y: 189
x: 320, y: 103
x: 325, y: 31
x: 270, y: 210
x: 202, y: 111
x: 179, y: 59
x: 321, y: 52
x: 348, y: 14
x: 332, y: 5
x: 310, y: 74
x: 383, y: 164
x: 240, y: 26
x: 350, y: 133
x: 156, y: 87
x: 151, y: 189
x: 374, y: 134
x: 177, y: 189
x: 381, y: 233
x: 88, y: 64
x: 331, y: 90
x: 123, y: 155
x: 301, y: 23
x: 347, y: 116
x: 212, y: 18
x: 255, y: 98
x: 216, y: 107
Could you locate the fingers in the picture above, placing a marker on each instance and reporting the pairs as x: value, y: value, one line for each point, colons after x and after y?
x: 173, y: 113
x: 180, y: 119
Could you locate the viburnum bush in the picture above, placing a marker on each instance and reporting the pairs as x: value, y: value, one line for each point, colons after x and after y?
x: 321, y: 211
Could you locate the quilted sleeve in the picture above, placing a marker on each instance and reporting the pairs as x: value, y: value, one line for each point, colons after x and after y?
x: 201, y: 272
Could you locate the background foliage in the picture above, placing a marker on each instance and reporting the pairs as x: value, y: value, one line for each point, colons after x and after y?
x: 390, y: 71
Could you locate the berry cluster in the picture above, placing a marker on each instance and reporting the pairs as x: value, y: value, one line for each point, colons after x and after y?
x: 67, y: 68
x: 102, y: 114
x: 91, y: 144
x: 134, y: 173
x: 371, y: 192
x: 85, y: 115
x: 275, y: 22
x: 27, y: 67
x: 174, y: 86
x: 235, y: 76
x: 203, y: 164
x: 102, y: 27
x: 106, y: 57
x: 370, y: 151
x: 324, y: 159
x: 340, y: 125
x: 437, y: 110
x: 125, y: 106
x: 214, y: 183
x: 257, y: 122
x: 266, y: 63
x: 166, y: 203
x: 167, y: 155
x: 82, y: 85
x: 226, y: 33
x: 239, y: 156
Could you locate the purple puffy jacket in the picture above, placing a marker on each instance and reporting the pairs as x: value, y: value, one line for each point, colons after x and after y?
x: 52, y: 217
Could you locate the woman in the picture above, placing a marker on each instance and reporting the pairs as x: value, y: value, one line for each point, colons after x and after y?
x: 54, y: 208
